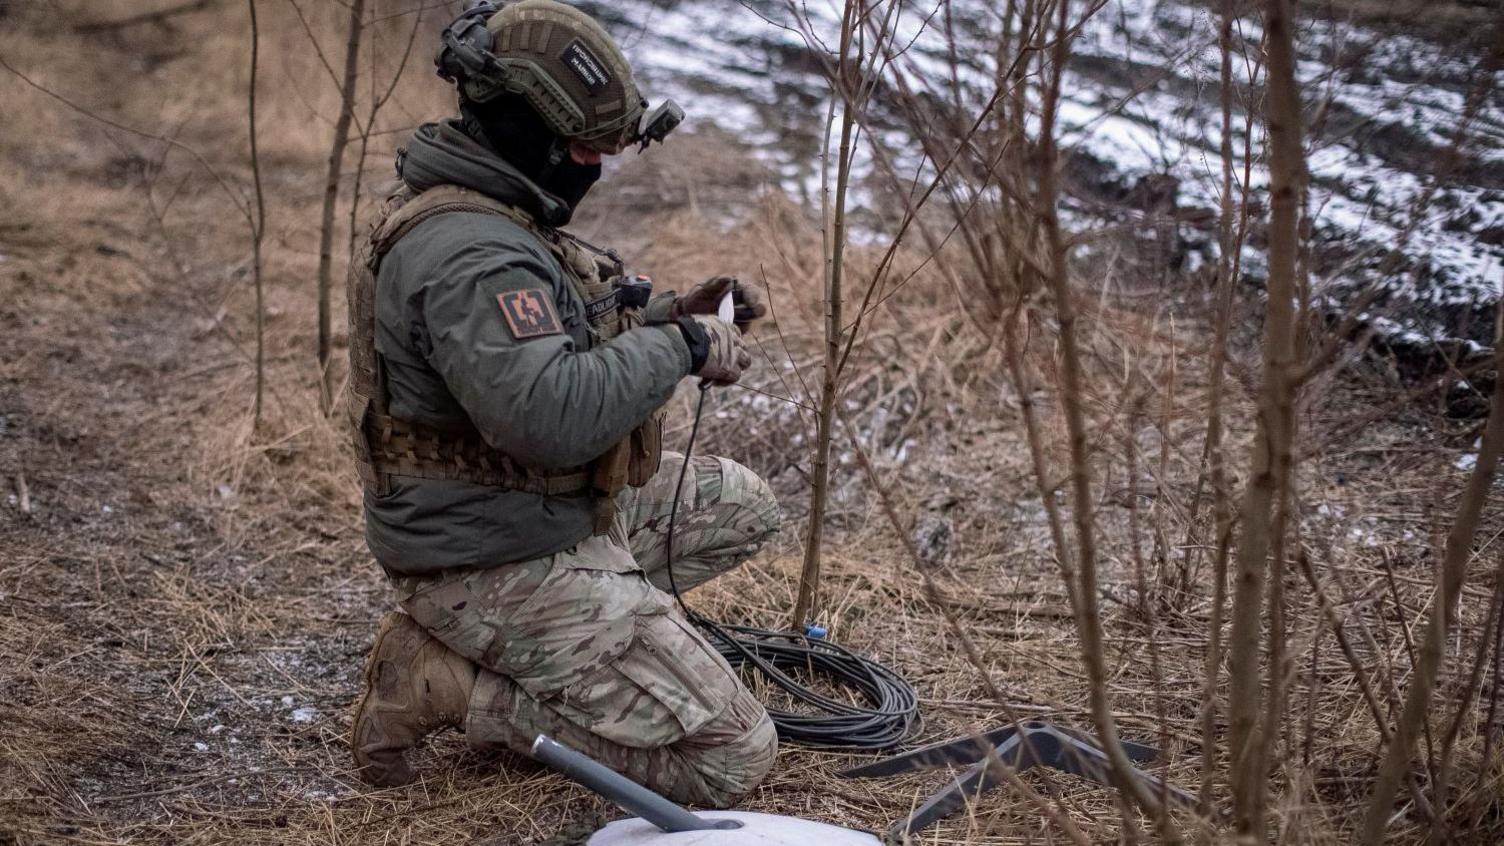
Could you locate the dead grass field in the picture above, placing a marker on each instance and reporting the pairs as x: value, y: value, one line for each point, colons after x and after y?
x: 185, y: 603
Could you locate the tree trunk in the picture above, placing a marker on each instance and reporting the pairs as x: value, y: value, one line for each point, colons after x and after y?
x: 258, y: 223
x: 1085, y: 604
x: 331, y: 193
x: 809, y: 575
x: 1272, y: 458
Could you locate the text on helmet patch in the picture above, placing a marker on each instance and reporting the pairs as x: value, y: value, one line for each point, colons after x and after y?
x: 578, y: 58
x: 529, y: 313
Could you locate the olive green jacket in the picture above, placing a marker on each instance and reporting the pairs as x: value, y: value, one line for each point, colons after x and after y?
x: 453, y: 363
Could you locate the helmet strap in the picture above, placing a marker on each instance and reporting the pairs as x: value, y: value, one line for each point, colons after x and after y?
x: 558, y: 148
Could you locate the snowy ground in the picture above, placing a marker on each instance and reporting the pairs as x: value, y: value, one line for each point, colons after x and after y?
x: 1142, y: 101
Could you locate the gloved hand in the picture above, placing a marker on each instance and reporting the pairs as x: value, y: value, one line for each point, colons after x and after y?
x: 705, y: 298
x: 660, y: 309
x: 716, y: 351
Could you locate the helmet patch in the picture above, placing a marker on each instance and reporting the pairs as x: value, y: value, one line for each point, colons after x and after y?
x: 591, y: 71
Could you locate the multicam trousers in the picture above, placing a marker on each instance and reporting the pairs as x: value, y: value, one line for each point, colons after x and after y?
x: 587, y: 647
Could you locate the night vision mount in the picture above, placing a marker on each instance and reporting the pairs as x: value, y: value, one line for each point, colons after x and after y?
x: 465, y: 59
x: 465, y: 46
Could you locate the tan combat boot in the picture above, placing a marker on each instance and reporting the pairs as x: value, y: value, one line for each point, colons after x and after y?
x: 414, y: 685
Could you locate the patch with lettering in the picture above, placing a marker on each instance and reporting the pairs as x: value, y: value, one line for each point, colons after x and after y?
x: 529, y: 313
x: 578, y: 58
x: 603, y: 307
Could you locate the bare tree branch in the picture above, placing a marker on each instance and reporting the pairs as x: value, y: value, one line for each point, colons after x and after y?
x: 157, y: 16
x: 240, y: 203
x: 1414, y: 719
x: 1085, y: 604
x: 835, y: 254
x: 258, y: 225
x: 331, y: 194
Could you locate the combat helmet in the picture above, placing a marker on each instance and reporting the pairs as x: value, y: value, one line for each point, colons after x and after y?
x: 564, y: 63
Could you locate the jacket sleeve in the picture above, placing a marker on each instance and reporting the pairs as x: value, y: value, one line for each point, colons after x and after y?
x: 539, y: 399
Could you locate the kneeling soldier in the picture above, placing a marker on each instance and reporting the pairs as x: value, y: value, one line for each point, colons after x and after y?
x: 507, y: 382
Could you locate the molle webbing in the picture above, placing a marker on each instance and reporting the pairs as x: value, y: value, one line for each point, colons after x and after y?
x: 402, y: 448
x: 445, y: 199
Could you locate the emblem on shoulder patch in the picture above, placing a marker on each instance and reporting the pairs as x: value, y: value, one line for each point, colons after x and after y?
x: 529, y: 313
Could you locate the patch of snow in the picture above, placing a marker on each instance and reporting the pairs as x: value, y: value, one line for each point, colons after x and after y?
x: 901, y: 452
x: 200, y: 746
x: 1140, y: 98
x: 305, y: 714
x: 1468, y: 460
x: 1365, y: 537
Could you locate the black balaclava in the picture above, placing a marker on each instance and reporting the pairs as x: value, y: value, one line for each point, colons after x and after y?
x: 517, y: 133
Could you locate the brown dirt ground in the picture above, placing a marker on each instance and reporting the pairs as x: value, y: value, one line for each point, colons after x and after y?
x: 185, y: 603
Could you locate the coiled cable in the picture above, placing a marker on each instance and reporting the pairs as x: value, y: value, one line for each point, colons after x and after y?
x: 891, y: 712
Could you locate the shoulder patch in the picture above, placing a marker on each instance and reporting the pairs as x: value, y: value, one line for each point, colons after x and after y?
x: 529, y: 313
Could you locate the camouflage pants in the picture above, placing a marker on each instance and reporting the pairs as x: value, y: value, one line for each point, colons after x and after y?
x: 586, y: 646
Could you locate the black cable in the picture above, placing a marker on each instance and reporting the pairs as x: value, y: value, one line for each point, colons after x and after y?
x: 892, y: 708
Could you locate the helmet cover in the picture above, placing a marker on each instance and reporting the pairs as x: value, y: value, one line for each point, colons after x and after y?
x: 569, y: 70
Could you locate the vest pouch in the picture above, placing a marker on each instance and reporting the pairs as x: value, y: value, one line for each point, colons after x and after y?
x: 608, y: 478
x: 647, y: 450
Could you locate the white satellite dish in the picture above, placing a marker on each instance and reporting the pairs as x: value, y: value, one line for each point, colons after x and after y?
x: 756, y: 830
x: 662, y: 823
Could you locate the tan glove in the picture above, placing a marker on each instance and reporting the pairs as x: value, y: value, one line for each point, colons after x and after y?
x: 705, y: 298
x: 726, y: 356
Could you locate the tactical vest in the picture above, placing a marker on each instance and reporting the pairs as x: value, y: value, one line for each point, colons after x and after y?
x: 386, y: 446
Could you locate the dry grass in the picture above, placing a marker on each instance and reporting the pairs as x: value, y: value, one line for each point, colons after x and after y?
x: 182, y: 580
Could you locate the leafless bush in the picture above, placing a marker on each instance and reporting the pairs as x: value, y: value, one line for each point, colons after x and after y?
x: 1000, y: 245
